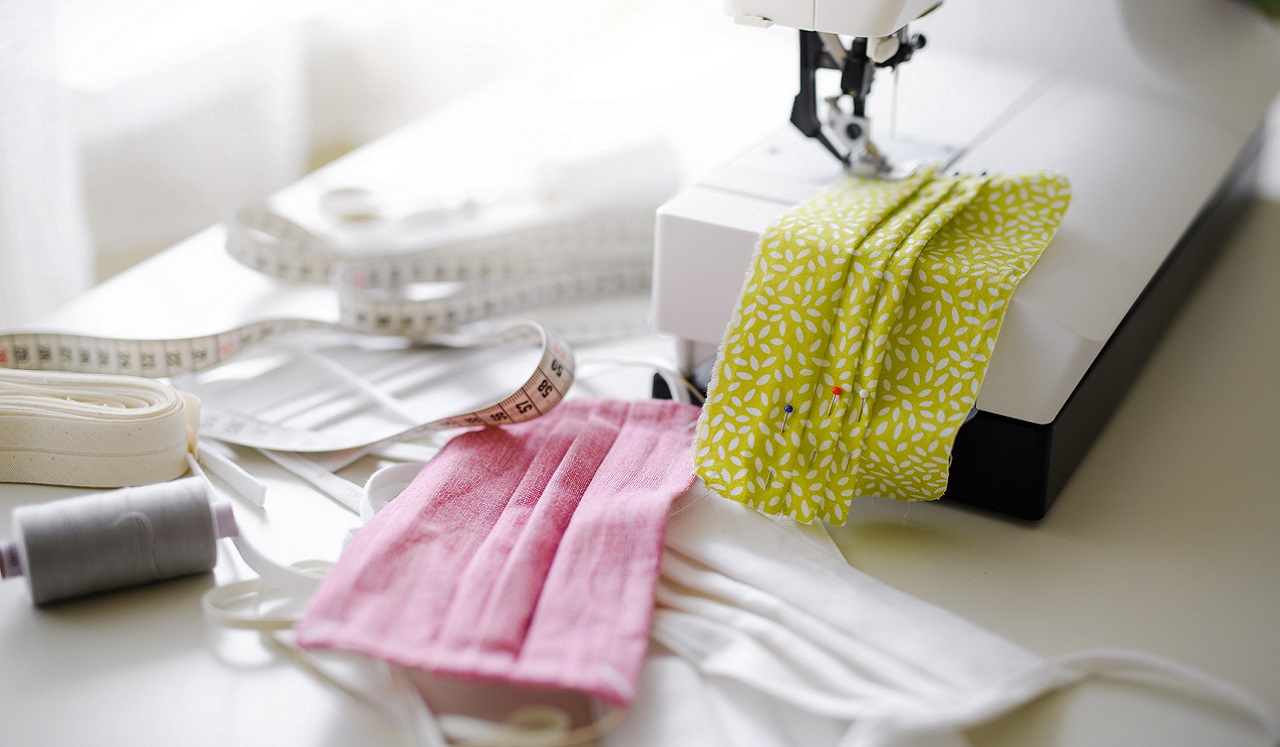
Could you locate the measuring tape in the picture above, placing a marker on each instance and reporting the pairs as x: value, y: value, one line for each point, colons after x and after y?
x: 543, y: 389
x: 419, y: 295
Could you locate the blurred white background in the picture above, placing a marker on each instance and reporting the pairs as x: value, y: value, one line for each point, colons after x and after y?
x: 126, y: 125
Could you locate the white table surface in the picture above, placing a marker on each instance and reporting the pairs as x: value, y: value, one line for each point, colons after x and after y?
x: 1167, y: 538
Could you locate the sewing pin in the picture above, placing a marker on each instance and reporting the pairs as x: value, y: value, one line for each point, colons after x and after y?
x: 863, y: 395
x: 835, y: 397
x: 786, y: 413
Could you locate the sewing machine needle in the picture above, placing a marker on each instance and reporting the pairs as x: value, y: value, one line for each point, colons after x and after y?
x: 893, y: 107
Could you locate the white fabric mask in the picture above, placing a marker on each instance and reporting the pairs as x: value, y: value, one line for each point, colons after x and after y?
x: 775, y: 639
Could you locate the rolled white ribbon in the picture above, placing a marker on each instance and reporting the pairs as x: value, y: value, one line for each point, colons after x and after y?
x: 93, y: 430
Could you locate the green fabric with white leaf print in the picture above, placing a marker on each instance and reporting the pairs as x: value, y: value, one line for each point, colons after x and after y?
x: 891, y: 293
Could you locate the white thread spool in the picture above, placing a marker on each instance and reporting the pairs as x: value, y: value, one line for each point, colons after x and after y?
x: 113, y: 540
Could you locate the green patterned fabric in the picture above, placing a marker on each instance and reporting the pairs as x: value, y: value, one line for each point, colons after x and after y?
x: 890, y: 293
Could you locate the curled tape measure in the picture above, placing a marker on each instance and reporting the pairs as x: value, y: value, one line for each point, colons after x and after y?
x: 419, y: 295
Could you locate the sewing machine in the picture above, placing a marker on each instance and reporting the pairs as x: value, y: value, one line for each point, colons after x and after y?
x: 1151, y: 108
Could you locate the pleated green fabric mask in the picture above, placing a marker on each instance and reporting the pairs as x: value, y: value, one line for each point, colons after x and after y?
x: 862, y: 335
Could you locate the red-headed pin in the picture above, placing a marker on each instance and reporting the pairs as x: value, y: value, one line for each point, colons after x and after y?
x: 835, y: 397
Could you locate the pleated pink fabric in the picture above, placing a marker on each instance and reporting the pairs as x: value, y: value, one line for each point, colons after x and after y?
x: 526, y: 555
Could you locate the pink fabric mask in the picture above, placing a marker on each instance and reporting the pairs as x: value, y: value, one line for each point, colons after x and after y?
x: 527, y: 555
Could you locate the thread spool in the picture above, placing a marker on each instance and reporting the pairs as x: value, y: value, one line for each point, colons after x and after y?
x: 113, y: 540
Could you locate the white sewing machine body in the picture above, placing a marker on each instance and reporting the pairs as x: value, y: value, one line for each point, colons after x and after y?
x: 1151, y: 109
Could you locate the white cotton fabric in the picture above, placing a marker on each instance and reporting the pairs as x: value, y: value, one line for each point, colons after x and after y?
x: 764, y: 635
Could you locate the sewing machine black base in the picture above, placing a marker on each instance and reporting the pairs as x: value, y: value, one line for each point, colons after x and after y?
x: 1018, y: 468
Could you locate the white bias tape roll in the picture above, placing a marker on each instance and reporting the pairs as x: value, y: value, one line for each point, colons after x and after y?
x: 94, y: 431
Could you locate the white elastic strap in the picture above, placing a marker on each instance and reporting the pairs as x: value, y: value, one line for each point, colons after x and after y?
x: 531, y: 726
x: 282, y: 576
x: 409, y: 452
x: 345, y: 492
x: 285, y: 577
x: 381, y: 488
x: 245, y: 484
x: 290, y: 578
x: 239, y: 604
x: 528, y: 724
x: 402, y: 715
x: 384, y: 485
x: 681, y: 389
x: 405, y: 710
x: 1010, y: 693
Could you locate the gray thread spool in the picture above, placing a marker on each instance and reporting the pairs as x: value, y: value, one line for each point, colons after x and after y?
x: 112, y: 540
